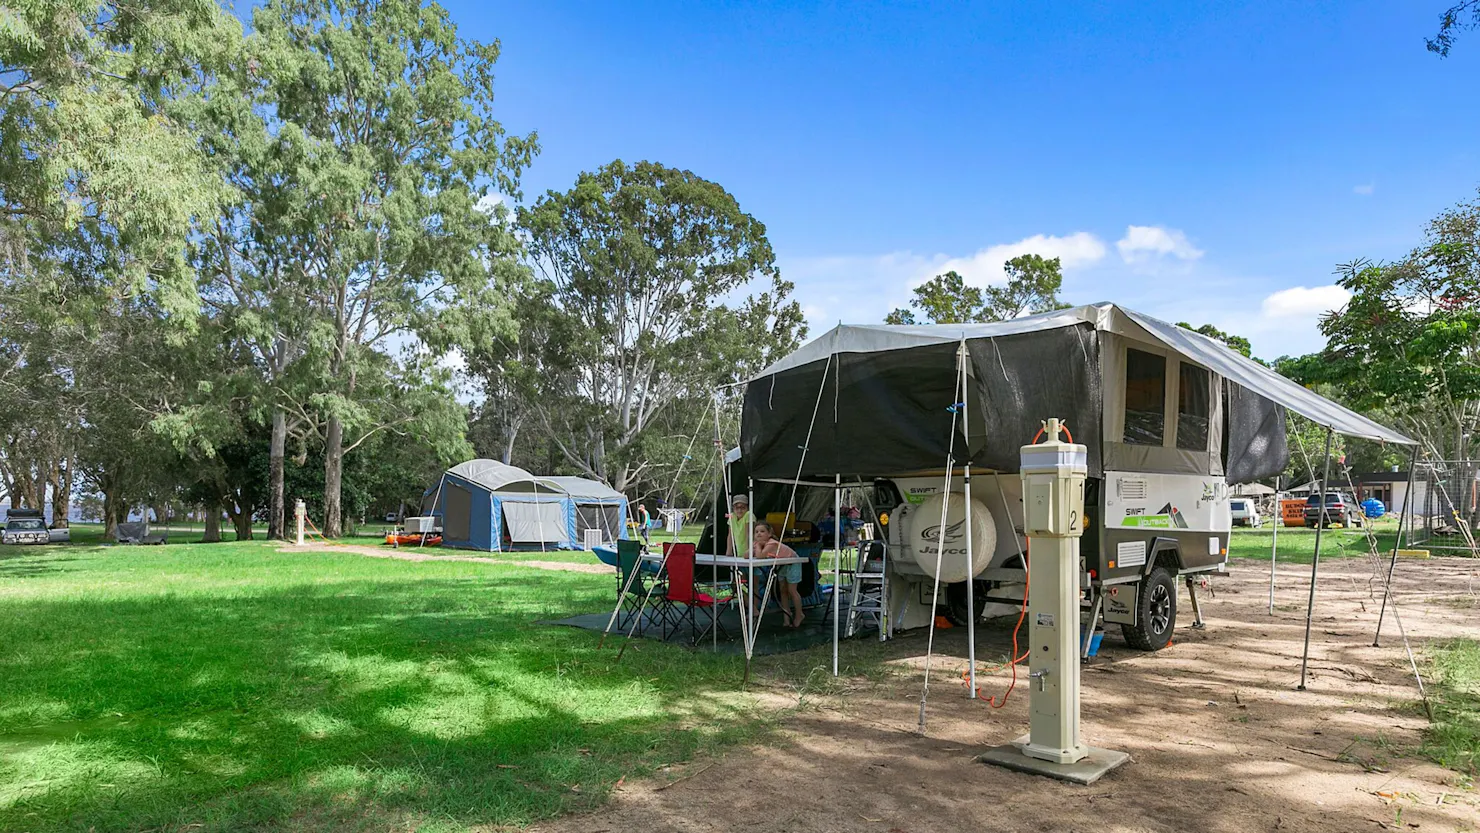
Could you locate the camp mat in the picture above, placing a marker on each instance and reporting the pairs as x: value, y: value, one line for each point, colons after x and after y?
x: 774, y: 638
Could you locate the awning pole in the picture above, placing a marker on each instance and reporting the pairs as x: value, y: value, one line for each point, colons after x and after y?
x: 970, y: 592
x: 837, y: 601
x: 437, y: 498
x: 1315, y: 560
x: 1274, y: 550
x: 751, y: 628
x: 940, y: 548
x: 1387, y: 588
x: 970, y: 555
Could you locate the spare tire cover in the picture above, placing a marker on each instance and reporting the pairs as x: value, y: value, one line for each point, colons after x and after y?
x: 925, y: 537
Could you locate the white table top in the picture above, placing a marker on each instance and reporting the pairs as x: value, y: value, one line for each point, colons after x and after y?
x: 708, y: 560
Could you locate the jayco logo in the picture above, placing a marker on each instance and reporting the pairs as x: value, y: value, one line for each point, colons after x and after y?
x: 953, y: 532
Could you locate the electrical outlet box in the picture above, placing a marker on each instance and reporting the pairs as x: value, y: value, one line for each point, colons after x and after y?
x: 1053, y: 489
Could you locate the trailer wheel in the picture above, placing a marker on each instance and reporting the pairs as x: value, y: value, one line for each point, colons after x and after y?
x: 956, y: 601
x: 1156, y: 613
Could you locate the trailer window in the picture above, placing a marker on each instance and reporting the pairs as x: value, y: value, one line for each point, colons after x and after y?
x: 1145, y: 397
x: 1193, y: 408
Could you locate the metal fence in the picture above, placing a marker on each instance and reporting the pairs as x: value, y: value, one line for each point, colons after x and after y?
x: 1448, y: 505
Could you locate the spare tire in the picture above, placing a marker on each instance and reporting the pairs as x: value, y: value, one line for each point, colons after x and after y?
x: 925, y: 537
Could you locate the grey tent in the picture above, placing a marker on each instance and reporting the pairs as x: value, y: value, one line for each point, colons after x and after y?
x: 485, y: 503
x: 488, y: 505
x: 593, y: 505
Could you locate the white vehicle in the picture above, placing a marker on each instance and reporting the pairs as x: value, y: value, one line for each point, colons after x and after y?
x: 1169, y: 419
x: 1243, y: 512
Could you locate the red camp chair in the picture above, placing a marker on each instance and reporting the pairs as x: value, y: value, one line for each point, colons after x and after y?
x: 683, y: 599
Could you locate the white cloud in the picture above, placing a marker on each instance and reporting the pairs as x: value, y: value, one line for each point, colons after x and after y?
x: 1364, y: 190
x: 490, y: 204
x: 985, y: 267
x: 1142, y: 244
x: 1304, y: 302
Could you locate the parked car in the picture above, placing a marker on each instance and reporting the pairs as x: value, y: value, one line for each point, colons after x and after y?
x: 1244, y: 512
x: 1340, y: 508
x: 26, y: 531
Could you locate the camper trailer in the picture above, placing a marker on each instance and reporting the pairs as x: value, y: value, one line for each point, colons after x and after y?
x: 1170, y: 419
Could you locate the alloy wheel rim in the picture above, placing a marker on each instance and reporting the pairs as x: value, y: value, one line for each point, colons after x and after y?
x: 1161, y: 608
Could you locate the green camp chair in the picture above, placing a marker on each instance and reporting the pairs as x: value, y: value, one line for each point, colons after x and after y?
x: 632, y: 589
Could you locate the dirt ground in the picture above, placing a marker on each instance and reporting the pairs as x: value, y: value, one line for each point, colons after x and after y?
x: 437, y: 554
x: 1219, y: 736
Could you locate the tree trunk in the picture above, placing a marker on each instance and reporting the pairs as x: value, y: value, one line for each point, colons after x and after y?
x: 110, y: 513
x: 213, y: 524
x: 61, y: 496
x: 511, y: 435
x: 243, y: 523
x: 275, y: 508
x: 333, y: 474
x: 23, y: 491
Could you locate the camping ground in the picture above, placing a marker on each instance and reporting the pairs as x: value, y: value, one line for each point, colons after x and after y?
x: 252, y: 686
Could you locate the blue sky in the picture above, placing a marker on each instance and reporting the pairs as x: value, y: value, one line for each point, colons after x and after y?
x: 1208, y: 162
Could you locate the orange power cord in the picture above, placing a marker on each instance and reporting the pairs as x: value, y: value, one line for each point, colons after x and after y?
x: 1022, y: 613
x: 1016, y: 658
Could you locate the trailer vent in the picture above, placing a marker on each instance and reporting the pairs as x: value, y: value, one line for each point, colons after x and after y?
x: 1132, y: 490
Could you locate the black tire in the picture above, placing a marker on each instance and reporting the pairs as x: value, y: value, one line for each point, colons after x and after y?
x: 956, y: 601
x: 1156, y: 613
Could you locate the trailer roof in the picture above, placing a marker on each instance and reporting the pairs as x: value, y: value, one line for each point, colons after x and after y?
x: 1198, y: 348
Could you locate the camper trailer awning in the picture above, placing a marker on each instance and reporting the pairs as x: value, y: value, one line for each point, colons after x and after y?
x: 1256, y: 377
x: 878, y: 338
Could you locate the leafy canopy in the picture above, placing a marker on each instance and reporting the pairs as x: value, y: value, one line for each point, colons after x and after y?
x: 1460, y: 17
x: 1408, y: 340
x: 88, y: 138
x: 1238, y: 343
x: 639, y: 307
x: 1033, y: 284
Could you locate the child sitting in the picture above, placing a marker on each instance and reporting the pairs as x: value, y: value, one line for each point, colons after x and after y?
x: 788, y: 576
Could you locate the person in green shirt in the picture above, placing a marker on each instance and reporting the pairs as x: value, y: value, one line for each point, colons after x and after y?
x: 740, y: 523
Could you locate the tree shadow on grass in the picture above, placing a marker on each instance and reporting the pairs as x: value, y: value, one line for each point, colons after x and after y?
x: 26, y: 566
x: 337, y: 704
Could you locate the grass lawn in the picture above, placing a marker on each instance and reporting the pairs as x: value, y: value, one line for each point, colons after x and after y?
x: 1297, y: 544
x: 231, y: 686
x: 1454, y: 738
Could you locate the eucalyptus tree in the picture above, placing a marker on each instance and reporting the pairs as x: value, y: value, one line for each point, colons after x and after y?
x: 86, y: 136
x: 642, y: 270
x: 362, y: 248
x: 1032, y: 285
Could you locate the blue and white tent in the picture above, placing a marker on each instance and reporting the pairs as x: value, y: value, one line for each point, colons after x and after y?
x: 487, y: 505
x: 593, y: 505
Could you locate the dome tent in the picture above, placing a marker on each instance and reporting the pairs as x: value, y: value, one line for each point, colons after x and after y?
x: 488, y: 505
x: 593, y: 505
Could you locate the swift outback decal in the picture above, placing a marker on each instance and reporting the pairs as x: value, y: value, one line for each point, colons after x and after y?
x: 1168, y: 517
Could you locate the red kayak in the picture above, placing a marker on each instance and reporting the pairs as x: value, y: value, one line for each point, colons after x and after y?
x: 412, y: 539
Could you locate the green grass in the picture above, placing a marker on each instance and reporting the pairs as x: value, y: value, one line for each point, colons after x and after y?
x: 1297, y: 544
x: 231, y: 686
x: 1454, y: 737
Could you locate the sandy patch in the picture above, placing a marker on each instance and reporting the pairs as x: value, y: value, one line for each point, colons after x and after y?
x: 429, y: 554
x: 1221, y: 739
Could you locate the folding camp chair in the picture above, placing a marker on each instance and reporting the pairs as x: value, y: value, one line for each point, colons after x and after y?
x: 632, y: 585
x: 682, y: 600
